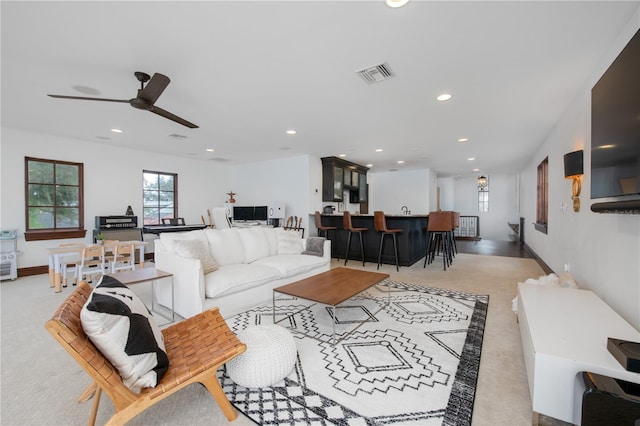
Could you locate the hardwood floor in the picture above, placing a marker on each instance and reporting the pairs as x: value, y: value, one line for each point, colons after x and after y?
x: 493, y: 248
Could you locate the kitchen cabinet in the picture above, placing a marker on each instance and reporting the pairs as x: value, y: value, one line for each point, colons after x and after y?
x: 338, y: 175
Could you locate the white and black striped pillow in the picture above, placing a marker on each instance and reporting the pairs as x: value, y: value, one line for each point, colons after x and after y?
x: 123, y: 329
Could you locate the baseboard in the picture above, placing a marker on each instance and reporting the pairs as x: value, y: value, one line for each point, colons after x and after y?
x: 544, y: 266
x: 33, y: 270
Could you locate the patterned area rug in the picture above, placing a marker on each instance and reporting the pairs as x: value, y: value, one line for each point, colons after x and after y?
x: 413, y: 361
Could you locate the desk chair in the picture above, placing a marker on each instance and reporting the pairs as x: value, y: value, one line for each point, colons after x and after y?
x: 380, y: 224
x: 348, y: 226
x: 220, y: 218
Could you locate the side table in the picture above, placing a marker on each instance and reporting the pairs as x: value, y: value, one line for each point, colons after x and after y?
x: 148, y: 274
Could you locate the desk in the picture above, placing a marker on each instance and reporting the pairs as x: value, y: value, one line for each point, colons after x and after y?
x: 57, y: 254
x: 143, y: 275
x: 564, y: 332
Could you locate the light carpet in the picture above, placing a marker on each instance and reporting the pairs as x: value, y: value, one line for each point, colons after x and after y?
x: 405, y: 354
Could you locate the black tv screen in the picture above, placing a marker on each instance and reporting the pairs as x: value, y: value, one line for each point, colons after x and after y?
x: 615, y: 126
x: 243, y: 213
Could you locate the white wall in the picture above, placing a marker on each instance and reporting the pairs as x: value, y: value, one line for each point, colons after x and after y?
x: 112, y: 181
x: 503, y: 204
x: 284, y: 180
x: 389, y: 191
x: 447, y: 193
x: 602, y: 250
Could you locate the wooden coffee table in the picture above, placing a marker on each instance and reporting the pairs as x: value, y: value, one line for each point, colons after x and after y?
x: 332, y: 288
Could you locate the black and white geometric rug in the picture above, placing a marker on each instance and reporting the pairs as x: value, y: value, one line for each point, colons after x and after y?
x: 412, y: 362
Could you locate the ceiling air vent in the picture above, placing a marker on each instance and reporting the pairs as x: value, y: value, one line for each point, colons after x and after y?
x: 376, y: 73
x: 220, y: 159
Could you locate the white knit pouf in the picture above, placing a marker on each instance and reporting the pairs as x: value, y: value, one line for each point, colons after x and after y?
x: 269, y: 358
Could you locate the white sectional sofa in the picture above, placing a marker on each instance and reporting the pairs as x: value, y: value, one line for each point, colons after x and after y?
x: 248, y: 264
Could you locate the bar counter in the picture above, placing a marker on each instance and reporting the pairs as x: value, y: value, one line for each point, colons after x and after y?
x: 412, y: 241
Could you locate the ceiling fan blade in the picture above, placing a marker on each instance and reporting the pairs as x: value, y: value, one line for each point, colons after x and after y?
x: 170, y: 116
x: 84, y: 98
x: 154, y: 88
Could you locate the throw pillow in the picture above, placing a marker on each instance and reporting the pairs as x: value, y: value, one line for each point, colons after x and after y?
x: 315, y: 246
x: 289, y: 242
x: 123, y: 329
x: 196, y: 249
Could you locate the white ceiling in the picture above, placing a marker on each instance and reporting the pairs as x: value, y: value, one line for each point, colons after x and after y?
x: 246, y: 72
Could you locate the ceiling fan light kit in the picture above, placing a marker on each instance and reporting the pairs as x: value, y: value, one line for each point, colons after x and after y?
x: 146, y: 98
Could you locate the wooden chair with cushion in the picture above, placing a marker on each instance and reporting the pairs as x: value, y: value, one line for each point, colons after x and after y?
x: 124, y: 257
x: 380, y: 224
x: 196, y: 348
x: 326, y: 229
x: 348, y: 226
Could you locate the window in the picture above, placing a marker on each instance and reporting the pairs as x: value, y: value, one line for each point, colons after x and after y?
x: 54, y: 199
x: 483, y: 194
x: 542, y: 207
x: 160, y: 197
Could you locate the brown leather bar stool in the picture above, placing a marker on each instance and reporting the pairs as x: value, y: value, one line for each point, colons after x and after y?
x: 326, y: 230
x: 380, y: 224
x: 439, y: 230
x: 348, y: 226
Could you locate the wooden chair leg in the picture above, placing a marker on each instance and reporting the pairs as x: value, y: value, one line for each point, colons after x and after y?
x: 88, y: 393
x: 214, y: 388
x: 96, y: 404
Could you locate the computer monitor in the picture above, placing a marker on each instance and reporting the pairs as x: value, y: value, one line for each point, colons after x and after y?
x: 243, y: 213
x: 261, y: 213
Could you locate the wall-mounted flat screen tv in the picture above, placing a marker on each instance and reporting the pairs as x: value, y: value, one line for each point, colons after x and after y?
x: 615, y: 126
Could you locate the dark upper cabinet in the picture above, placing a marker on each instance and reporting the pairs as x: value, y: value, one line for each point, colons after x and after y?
x: 338, y: 175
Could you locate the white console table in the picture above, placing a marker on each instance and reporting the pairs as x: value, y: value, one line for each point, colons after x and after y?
x: 564, y: 332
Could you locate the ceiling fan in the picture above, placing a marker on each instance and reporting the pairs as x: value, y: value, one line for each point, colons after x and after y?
x: 146, y: 98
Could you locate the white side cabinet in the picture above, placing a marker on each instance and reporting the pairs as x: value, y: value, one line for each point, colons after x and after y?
x: 8, y: 255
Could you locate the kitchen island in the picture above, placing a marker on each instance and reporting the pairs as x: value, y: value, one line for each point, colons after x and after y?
x: 412, y: 241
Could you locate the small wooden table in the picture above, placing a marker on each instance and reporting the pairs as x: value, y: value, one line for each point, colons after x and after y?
x: 332, y: 288
x: 143, y: 275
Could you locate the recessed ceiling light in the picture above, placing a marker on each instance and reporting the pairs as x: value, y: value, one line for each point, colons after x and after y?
x: 400, y: 161
x: 291, y: 132
x: 463, y: 139
x: 475, y: 170
x: 444, y: 97
x: 116, y: 130
x: 379, y: 150
x: 342, y: 155
x: 471, y: 158
x: 210, y: 150
x: 369, y: 165
x: 396, y: 3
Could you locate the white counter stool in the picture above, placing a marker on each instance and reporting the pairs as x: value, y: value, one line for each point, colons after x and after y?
x: 269, y: 358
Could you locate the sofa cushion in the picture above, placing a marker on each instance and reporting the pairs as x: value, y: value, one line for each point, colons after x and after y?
x: 289, y: 242
x: 272, y: 240
x: 255, y: 243
x: 234, y: 278
x: 226, y: 246
x: 292, y: 264
x: 121, y: 327
x: 168, y: 238
x: 196, y: 249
